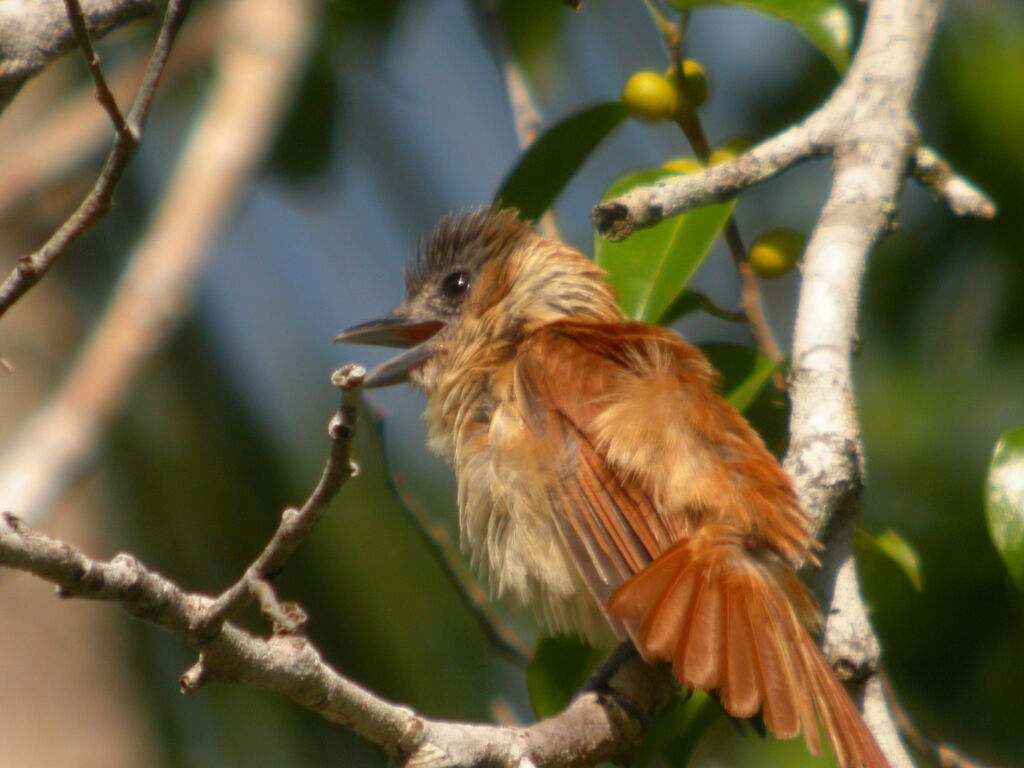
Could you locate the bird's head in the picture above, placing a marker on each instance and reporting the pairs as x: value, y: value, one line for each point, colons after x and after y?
x: 482, y: 280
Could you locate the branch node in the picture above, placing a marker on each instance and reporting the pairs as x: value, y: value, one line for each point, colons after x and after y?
x: 14, y: 522
x: 353, y: 468
x: 287, y: 618
x: 938, y: 177
x: 348, y: 377
x: 613, y: 221
x: 195, y: 676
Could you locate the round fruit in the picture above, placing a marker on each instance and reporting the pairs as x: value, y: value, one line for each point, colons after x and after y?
x: 683, y: 165
x: 650, y: 96
x: 776, y: 252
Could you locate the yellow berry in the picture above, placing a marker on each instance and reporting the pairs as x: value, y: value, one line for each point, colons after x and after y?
x: 683, y: 165
x: 776, y: 252
x: 730, y: 150
x: 650, y: 96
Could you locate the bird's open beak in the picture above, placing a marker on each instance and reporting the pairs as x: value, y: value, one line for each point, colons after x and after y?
x: 394, y: 331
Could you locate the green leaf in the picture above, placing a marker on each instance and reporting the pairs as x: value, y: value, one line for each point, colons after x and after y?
x: 745, y: 371
x: 559, y: 667
x: 826, y: 23
x: 1004, y: 502
x: 894, y: 548
x: 544, y: 169
x: 652, y: 266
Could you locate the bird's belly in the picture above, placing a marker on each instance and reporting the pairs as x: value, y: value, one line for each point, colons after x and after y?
x: 509, y: 527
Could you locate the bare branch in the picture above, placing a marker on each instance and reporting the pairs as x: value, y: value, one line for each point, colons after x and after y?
x: 34, y: 34
x: 594, y: 728
x: 646, y: 206
x: 526, y: 115
x: 50, y: 146
x: 103, y: 94
x: 30, y: 269
x: 264, y: 46
x: 872, y: 134
x: 296, y: 524
x: 941, y: 180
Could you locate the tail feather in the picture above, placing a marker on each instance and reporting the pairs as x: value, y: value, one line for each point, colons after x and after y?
x: 741, y: 691
x: 733, y: 621
x: 697, y: 658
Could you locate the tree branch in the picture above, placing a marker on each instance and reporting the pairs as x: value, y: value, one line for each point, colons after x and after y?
x: 103, y: 94
x: 32, y: 34
x: 264, y: 44
x: 872, y: 134
x: 645, y: 206
x: 30, y: 269
x: 295, y: 524
x: 935, y: 175
x: 595, y: 727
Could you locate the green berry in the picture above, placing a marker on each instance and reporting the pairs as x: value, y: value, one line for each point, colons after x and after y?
x: 776, y: 252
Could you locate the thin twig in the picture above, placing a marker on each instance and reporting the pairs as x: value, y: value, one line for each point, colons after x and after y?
x: 263, y: 47
x: 32, y: 35
x: 103, y: 93
x: 55, y: 145
x: 295, y: 524
x: 526, y: 117
x: 31, y: 268
x: 688, y: 119
x: 936, y: 175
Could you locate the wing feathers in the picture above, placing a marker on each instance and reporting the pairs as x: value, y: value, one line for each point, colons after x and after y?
x: 692, y: 585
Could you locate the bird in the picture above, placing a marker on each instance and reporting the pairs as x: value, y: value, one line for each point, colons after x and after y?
x: 604, y: 481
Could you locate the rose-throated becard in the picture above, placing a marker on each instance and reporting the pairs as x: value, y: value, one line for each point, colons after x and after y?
x: 602, y: 480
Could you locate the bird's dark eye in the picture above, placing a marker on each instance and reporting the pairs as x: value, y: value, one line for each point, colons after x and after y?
x: 455, y: 285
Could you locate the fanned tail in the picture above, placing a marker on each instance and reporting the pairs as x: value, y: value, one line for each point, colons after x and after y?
x: 731, y: 618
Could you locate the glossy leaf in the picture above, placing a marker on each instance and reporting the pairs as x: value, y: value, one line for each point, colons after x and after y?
x: 826, y: 23
x: 652, y: 266
x: 745, y: 371
x: 545, y: 168
x: 1004, y: 502
x: 894, y: 548
x: 558, y: 669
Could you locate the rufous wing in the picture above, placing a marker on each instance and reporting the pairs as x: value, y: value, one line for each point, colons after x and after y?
x: 690, y: 585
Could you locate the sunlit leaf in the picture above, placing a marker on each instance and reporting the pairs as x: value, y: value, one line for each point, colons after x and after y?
x: 826, y: 23
x: 542, y: 172
x: 1004, y: 502
x: 652, y: 266
x: 894, y: 548
x: 559, y: 667
x: 745, y: 371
